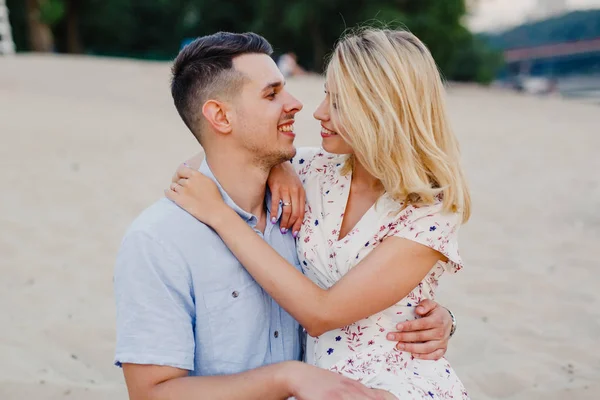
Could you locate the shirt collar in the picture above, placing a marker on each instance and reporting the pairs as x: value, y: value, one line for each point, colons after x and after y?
x: 250, y: 218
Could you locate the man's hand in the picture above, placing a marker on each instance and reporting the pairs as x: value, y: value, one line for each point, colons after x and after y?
x: 285, y: 185
x: 427, y: 337
x: 311, y: 383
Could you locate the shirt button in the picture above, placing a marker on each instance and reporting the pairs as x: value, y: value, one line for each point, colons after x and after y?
x: 235, y: 294
x: 276, y: 334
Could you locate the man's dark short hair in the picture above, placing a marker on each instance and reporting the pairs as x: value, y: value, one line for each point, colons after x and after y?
x: 204, y: 70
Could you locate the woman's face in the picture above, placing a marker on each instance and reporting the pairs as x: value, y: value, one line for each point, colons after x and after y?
x: 332, y: 141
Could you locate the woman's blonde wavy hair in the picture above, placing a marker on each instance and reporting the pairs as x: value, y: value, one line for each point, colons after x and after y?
x: 390, y: 101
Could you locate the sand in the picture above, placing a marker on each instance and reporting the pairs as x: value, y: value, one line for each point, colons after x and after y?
x: 88, y: 143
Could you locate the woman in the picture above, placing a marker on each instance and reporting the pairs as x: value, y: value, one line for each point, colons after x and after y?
x: 384, y: 202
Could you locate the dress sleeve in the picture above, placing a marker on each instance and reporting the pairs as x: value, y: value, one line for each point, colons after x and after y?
x: 432, y: 227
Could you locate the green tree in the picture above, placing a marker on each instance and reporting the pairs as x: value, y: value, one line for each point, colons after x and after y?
x: 155, y: 29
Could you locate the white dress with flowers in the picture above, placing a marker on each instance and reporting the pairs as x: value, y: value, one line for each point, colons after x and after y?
x: 361, y: 350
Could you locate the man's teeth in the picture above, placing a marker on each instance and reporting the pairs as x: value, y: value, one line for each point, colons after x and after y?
x: 286, y: 128
x: 327, y: 131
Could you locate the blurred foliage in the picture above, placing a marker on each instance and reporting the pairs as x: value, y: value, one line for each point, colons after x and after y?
x: 52, y: 12
x: 476, y: 61
x: 155, y: 29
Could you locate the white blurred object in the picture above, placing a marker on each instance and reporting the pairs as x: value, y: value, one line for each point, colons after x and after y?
x: 549, y: 8
x: 7, y: 45
x: 537, y: 85
x: 288, y: 65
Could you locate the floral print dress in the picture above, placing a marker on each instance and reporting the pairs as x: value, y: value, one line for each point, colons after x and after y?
x: 361, y: 350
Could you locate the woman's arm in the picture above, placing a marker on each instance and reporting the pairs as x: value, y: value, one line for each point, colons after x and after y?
x: 200, y: 197
x: 384, y: 277
x: 284, y: 184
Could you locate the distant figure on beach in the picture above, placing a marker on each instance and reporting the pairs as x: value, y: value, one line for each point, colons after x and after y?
x: 385, y: 198
x: 288, y: 65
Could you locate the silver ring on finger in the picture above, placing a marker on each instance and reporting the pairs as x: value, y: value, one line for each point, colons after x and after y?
x: 286, y: 204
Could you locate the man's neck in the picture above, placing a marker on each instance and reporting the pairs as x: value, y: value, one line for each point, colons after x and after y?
x: 244, y: 182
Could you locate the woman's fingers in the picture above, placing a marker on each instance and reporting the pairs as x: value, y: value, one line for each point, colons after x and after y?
x: 275, y: 198
x: 185, y: 172
x: 298, y: 212
x: 289, y: 204
x: 182, y: 182
x: 170, y: 194
x: 287, y: 207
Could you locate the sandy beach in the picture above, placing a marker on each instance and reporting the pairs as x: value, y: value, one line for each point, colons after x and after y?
x: 88, y: 143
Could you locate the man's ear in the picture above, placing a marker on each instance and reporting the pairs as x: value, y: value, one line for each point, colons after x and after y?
x: 215, y: 113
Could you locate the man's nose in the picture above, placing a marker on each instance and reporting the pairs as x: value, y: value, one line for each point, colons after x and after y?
x: 293, y: 105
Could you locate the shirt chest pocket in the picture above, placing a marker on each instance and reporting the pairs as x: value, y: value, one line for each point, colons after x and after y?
x: 239, y: 325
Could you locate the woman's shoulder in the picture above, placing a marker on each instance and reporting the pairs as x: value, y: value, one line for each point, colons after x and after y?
x: 304, y: 157
x: 315, y: 159
x: 413, y: 215
x: 430, y: 225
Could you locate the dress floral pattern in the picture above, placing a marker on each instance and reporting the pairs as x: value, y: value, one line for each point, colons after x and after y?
x: 361, y: 350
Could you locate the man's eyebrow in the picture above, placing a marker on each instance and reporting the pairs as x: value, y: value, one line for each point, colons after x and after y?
x: 273, y: 85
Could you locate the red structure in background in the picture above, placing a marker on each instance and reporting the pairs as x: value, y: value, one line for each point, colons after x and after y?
x: 552, y: 50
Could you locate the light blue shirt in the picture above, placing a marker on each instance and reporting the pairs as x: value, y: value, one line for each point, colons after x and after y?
x: 184, y: 300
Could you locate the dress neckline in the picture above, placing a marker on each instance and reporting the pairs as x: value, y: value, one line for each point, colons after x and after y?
x: 344, y: 198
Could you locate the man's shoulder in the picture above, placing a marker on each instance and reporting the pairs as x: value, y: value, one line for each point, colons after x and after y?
x: 166, y: 222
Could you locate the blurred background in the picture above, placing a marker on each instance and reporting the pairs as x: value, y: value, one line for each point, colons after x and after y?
x: 531, y: 45
x: 89, y: 138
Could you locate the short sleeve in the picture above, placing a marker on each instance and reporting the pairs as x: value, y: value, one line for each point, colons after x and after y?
x: 303, y: 158
x: 432, y: 227
x: 155, y: 306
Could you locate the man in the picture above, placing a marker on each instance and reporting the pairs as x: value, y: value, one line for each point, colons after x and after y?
x: 191, y: 322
